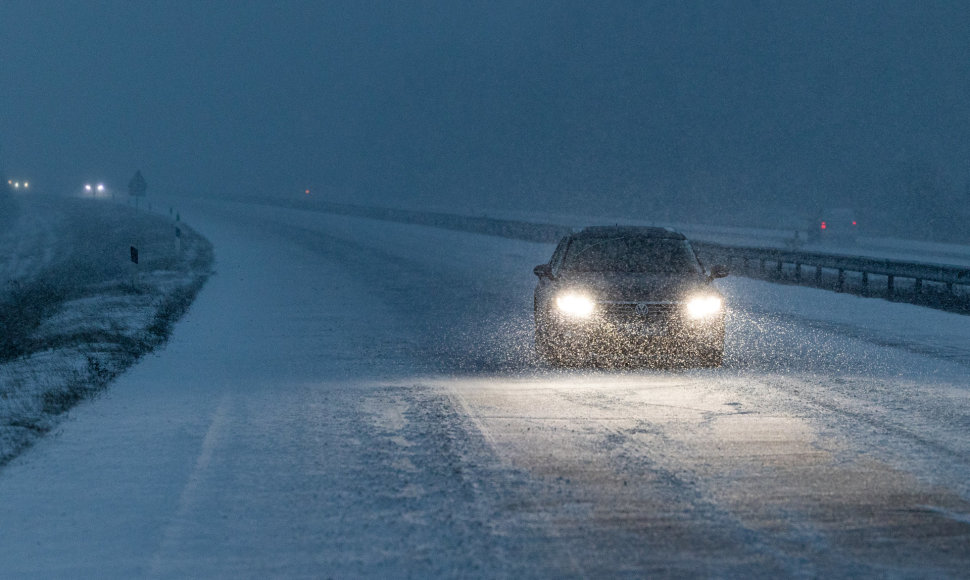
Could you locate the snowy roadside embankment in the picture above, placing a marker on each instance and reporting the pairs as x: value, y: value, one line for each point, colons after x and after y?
x: 75, y: 311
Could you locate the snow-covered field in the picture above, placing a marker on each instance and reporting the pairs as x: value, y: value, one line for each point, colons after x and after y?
x: 75, y: 312
x: 355, y: 398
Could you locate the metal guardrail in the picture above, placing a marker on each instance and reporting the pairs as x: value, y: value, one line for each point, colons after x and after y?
x: 834, y: 271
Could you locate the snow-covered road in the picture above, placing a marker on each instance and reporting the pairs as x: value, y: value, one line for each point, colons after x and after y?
x: 352, y: 398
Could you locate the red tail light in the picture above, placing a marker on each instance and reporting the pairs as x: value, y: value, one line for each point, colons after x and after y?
x: 823, y: 225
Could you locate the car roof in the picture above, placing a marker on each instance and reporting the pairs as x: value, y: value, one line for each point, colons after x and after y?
x: 628, y: 231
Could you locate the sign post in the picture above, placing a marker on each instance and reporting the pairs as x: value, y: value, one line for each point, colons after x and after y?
x: 137, y: 187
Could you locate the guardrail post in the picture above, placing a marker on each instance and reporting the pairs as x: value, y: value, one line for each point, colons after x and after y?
x: 798, y: 272
x: 818, y: 275
x: 841, y: 284
x: 890, y: 286
x: 865, y: 283
x: 781, y: 268
x: 744, y: 264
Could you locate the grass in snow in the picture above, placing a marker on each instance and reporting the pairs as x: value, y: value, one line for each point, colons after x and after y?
x: 69, y: 328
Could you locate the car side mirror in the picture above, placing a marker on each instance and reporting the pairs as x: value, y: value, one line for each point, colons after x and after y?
x: 543, y: 271
x: 718, y: 271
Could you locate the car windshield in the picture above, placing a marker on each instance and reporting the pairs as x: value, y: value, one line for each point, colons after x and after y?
x: 631, y: 254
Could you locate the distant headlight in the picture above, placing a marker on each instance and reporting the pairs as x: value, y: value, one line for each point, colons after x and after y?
x: 703, y: 306
x: 575, y: 305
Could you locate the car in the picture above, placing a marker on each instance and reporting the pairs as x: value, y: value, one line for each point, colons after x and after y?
x: 95, y: 190
x: 629, y: 294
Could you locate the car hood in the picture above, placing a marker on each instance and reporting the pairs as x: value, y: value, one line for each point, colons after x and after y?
x: 624, y: 287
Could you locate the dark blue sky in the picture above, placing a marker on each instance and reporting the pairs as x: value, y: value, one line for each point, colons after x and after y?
x: 733, y: 105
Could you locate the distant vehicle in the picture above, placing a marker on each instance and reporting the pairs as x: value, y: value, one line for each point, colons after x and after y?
x: 837, y: 225
x: 18, y: 185
x: 95, y: 190
x: 634, y: 293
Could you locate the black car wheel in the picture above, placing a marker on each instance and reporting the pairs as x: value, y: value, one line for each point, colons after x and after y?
x: 711, y: 358
x: 711, y: 354
x: 550, y: 351
x: 545, y: 350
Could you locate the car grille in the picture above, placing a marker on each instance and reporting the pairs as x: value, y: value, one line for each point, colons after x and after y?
x: 626, y: 312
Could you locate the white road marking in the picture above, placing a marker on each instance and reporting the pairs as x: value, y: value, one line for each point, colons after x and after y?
x: 175, y: 529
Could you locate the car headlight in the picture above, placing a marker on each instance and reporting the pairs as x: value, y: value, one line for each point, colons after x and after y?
x: 575, y: 305
x: 703, y: 306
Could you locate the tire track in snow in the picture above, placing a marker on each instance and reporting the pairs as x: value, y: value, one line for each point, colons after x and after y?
x: 462, y: 404
x: 574, y: 446
x: 758, y: 489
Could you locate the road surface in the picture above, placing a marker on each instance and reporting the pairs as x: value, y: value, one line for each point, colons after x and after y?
x: 351, y: 398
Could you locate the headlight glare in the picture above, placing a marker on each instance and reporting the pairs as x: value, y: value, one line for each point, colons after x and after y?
x: 575, y: 305
x: 703, y: 306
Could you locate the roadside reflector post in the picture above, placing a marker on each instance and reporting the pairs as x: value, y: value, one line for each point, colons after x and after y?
x: 798, y: 272
x: 865, y: 283
x: 890, y: 283
x: 134, y: 266
x: 818, y: 275
x: 841, y: 284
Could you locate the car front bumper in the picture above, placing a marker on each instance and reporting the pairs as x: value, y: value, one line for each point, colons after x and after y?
x: 655, y: 339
